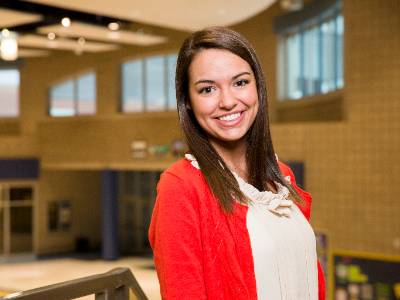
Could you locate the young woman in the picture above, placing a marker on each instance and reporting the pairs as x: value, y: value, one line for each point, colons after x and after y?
x: 229, y: 220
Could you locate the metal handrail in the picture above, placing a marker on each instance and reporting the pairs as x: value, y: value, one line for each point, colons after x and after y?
x: 112, y: 285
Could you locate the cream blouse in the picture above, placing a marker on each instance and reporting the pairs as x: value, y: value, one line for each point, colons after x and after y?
x: 283, y: 244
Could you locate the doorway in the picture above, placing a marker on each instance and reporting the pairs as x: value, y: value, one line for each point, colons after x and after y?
x: 16, y: 218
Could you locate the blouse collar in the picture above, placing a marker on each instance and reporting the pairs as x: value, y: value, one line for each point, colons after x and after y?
x: 278, y: 203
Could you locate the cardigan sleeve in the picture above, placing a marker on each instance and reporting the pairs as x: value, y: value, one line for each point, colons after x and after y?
x: 174, y: 236
x: 306, y: 210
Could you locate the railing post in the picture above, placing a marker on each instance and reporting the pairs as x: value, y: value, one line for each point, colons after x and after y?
x: 110, y: 294
x: 100, y: 296
x: 122, y: 293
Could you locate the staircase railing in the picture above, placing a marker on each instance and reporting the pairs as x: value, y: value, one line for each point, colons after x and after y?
x: 112, y: 285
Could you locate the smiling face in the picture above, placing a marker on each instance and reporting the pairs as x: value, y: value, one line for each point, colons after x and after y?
x: 223, y: 95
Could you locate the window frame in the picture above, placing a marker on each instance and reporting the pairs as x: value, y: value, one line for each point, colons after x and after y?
x: 166, y: 88
x: 12, y: 67
x: 75, y: 99
x: 299, y: 24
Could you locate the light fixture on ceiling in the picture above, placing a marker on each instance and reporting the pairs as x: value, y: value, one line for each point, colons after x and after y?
x: 8, y: 45
x: 81, y: 41
x: 113, y: 26
x: 66, y: 22
x: 291, y: 5
x: 113, y: 34
x: 51, y: 36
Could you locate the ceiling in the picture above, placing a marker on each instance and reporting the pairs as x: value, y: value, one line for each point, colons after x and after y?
x: 33, y: 20
x: 178, y: 14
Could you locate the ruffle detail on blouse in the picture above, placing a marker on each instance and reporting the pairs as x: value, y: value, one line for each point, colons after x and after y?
x: 277, y: 203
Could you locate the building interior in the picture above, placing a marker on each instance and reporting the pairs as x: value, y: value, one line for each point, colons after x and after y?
x: 88, y: 123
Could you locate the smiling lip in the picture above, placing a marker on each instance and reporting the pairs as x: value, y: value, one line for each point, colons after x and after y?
x: 226, y: 122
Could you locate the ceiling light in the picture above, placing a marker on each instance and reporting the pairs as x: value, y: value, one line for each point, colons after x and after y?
x: 291, y: 5
x: 66, y: 22
x: 51, y: 36
x: 114, y: 26
x: 81, y: 41
x: 5, y: 32
x: 8, y: 45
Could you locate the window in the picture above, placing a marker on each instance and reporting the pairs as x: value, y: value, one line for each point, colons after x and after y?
x: 9, y: 92
x: 76, y: 96
x: 149, y: 84
x: 136, y: 194
x: 86, y: 94
x: 155, y: 83
x: 132, y: 86
x: 171, y: 66
x: 310, y: 53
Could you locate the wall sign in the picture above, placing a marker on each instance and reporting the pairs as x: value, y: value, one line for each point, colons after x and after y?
x: 365, y: 276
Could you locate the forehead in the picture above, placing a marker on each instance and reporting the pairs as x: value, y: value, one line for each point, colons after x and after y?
x: 217, y: 63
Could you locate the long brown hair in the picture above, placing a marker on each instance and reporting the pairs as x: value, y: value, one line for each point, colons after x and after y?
x: 260, y: 155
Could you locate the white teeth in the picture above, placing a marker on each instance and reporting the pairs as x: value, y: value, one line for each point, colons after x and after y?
x: 230, y: 117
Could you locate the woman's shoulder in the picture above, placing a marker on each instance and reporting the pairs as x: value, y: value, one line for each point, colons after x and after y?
x: 182, y: 187
x: 182, y: 172
x: 182, y: 168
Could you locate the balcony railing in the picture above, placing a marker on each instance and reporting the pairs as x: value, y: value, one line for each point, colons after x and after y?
x: 112, y: 285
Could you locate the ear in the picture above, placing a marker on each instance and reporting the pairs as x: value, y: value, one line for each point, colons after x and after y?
x: 188, y: 105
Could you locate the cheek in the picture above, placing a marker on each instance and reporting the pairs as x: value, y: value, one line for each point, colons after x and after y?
x: 251, y: 97
x: 255, y: 97
x: 202, y: 107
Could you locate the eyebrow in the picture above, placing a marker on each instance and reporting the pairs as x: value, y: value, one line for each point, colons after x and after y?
x: 212, y: 81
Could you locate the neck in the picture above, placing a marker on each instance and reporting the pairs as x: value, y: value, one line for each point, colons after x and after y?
x: 234, y: 155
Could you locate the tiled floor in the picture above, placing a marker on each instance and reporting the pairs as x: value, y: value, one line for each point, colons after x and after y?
x: 19, y: 276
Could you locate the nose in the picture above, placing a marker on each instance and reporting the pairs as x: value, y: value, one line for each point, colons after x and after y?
x: 227, y: 99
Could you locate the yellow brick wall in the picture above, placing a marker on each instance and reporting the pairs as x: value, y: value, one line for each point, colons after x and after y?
x: 351, y: 166
x: 82, y: 189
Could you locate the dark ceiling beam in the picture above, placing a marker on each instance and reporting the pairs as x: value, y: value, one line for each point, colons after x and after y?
x: 53, y: 15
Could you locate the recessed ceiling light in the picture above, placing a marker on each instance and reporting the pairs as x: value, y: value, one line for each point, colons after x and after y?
x: 81, y: 41
x: 8, y: 45
x: 5, y: 32
x: 66, y: 22
x: 51, y: 36
x: 114, y: 26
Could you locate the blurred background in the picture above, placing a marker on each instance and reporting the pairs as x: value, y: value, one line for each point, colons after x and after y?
x: 88, y: 122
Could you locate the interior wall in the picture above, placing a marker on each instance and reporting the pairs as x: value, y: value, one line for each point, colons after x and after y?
x: 105, y: 142
x: 82, y: 189
x: 19, y: 136
x: 351, y: 165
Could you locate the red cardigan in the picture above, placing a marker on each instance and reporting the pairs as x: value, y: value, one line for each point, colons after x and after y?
x: 199, y: 251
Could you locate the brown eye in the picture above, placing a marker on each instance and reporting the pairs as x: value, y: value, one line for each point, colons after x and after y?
x: 206, y: 90
x: 241, y: 82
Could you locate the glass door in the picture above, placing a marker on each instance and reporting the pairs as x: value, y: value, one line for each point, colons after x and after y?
x: 21, y: 219
x: 16, y: 218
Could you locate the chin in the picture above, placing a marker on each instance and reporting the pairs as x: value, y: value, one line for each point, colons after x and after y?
x: 228, y: 139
